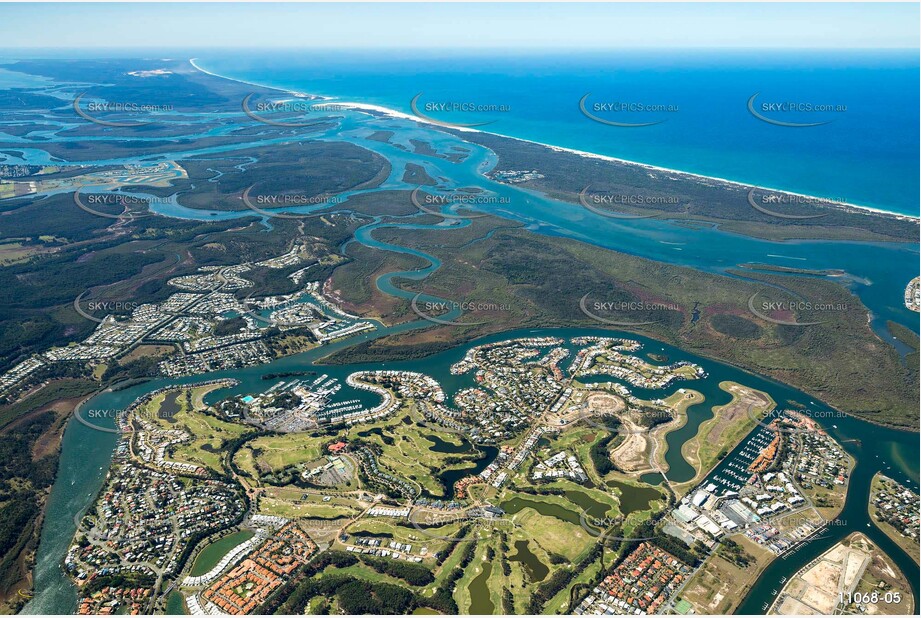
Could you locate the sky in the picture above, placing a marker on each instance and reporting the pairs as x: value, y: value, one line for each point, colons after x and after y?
x: 459, y: 25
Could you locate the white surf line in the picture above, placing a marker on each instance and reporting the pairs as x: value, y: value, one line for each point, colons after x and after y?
x: 846, y: 206
x: 786, y: 257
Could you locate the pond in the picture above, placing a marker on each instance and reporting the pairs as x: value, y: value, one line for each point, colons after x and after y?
x: 536, y: 569
x: 443, y: 446
x: 212, y: 554
x: 549, y: 509
x: 480, y: 603
x: 633, y: 498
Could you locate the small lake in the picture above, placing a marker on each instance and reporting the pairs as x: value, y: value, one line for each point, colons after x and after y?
x: 536, y: 569
x: 212, y: 554
x: 175, y: 604
x: 633, y: 498
x: 450, y: 476
x: 443, y: 446
x: 593, y: 508
x: 480, y: 603
x: 549, y: 509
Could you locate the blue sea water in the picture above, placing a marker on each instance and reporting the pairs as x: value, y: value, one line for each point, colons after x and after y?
x: 866, y: 153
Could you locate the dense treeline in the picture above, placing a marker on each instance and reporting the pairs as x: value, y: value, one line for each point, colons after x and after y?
x: 352, y: 595
x: 119, y: 580
x: 358, y: 597
x: 442, y: 555
x: 143, y: 367
x: 24, y: 479
x: 548, y: 589
x: 15, y: 516
x: 294, y: 595
x: 676, y: 547
x: 16, y: 460
x: 735, y: 553
x: 443, y: 599
x: 229, y: 326
x: 373, y: 351
x: 410, y: 572
x: 599, y: 455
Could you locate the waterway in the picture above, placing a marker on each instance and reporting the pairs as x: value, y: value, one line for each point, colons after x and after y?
x: 208, y: 558
x: 710, y: 131
x: 633, y: 499
x: 86, y: 454
x: 175, y: 606
x: 450, y: 476
x: 480, y: 603
x: 876, y: 272
x: 523, y: 554
x: 443, y: 446
x: 543, y: 507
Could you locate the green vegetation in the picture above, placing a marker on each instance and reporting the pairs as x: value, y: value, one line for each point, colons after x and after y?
x: 273, y: 453
x: 412, y: 573
x: 601, y: 457
x: 909, y: 338
x: 229, y: 327
x: 565, y: 175
x: 56, y: 390
x: 118, y: 580
x: 25, y: 477
x: 297, y: 169
x: 326, y: 576
x: 735, y: 326
x: 210, y: 555
x: 530, y: 274
x: 732, y: 552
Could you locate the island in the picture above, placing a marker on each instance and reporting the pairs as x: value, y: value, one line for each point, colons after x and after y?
x: 894, y: 509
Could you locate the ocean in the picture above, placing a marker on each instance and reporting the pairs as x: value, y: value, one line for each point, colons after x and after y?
x: 864, y: 153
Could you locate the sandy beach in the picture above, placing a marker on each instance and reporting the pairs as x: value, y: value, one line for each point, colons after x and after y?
x: 367, y: 107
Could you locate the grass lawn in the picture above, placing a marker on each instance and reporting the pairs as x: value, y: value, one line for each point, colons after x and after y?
x: 554, y: 535
x: 730, y: 423
x: 296, y: 502
x: 209, y: 433
x: 274, y: 453
x: 210, y: 555
x: 407, y: 451
x: 719, y: 586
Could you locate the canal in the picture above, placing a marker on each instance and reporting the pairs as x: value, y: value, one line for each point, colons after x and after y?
x: 86, y: 453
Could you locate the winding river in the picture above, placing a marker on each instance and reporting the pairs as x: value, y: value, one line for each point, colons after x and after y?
x: 876, y: 272
x: 86, y: 454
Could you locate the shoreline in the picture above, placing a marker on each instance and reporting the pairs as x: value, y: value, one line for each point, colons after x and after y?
x: 856, y: 536
x: 510, y: 334
x: 903, y: 542
x: 844, y: 206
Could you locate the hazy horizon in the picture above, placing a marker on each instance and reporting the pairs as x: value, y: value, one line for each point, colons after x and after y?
x: 518, y: 26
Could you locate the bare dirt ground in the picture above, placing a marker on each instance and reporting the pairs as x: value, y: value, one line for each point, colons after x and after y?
x: 632, y: 455
x: 853, y: 566
x: 720, y: 586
